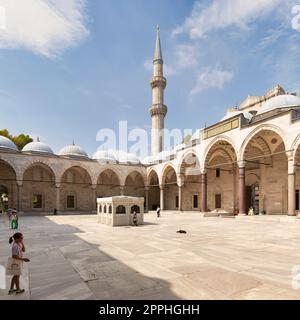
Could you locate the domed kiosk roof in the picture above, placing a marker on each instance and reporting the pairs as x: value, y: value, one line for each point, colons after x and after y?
x: 73, y: 151
x: 281, y: 101
x: 37, y: 147
x: 7, y: 144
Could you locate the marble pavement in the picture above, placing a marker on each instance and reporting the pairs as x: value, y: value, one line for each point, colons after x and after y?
x: 73, y: 257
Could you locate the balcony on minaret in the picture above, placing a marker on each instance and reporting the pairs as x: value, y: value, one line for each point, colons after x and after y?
x: 158, y: 82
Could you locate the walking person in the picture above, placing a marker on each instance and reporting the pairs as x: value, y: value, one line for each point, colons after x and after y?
x: 158, y: 212
x: 14, y: 220
x: 15, y: 263
x: 135, y: 219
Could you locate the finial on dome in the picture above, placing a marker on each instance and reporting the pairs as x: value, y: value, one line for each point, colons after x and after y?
x: 73, y: 143
x: 38, y: 139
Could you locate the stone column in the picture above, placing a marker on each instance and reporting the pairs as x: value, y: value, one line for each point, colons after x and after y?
x: 146, y: 199
x: 204, y: 191
x: 122, y: 189
x: 242, y: 188
x: 180, y: 184
x: 94, y: 191
x: 162, y: 206
x: 19, y: 197
x: 291, y: 187
x: 58, y: 197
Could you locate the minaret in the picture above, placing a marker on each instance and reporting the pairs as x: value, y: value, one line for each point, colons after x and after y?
x: 158, y: 110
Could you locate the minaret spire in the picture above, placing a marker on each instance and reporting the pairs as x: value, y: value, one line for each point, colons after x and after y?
x: 157, y: 53
x: 158, y: 110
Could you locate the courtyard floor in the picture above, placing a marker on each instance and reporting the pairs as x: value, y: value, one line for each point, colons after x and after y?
x: 73, y: 257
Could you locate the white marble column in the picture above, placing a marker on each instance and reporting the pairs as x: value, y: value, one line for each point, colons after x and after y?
x: 146, y: 199
x: 180, y: 184
x: 19, y: 195
x: 204, y: 191
x: 242, y: 188
x: 291, y: 187
x: 58, y: 197
x: 94, y: 191
x: 162, y: 207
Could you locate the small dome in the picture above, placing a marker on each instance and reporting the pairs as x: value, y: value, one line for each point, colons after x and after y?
x: 148, y: 160
x: 197, y: 135
x: 73, y: 151
x: 7, y: 144
x: 234, y: 113
x: 105, y: 155
x: 125, y: 157
x: 165, y: 155
x: 37, y: 147
x: 282, y: 101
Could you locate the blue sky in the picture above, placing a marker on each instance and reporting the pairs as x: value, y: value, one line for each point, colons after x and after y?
x: 72, y: 67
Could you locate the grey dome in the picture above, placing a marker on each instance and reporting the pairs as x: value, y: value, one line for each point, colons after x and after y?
x: 128, y: 158
x: 282, y: 101
x: 105, y: 156
x: 37, y: 147
x: 7, y: 144
x: 73, y: 151
x: 231, y: 114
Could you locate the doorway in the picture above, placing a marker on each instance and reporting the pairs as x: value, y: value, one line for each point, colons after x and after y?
x: 252, y: 198
x: 218, y: 201
x: 3, y: 199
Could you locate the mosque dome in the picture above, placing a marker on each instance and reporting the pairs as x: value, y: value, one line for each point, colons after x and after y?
x: 147, y: 160
x: 197, y: 135
x: 105, y: 156
x: 7, y: 144
x: 37, y: 147
x: 165, y: 155
x: 235, y: 112
x: 129, y: 158
x: 73, y: 151
x: 281, y: 101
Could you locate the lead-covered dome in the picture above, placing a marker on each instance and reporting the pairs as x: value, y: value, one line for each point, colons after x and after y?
x: 129, y: 158
x: 37, y: 147
x: 234, y: 113
x: 105, y: 156
x: 281, y: 101
x: 7, y: 144
x: 73, y: 151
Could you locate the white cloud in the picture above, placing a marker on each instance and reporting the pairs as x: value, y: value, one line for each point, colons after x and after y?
x: 45, y: 27
x: 211, y: 78
x: 221, y: 14
x: 186, y: 56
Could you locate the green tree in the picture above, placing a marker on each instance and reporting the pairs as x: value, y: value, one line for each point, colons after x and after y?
x: 187, y: 139
x: 20, y: 140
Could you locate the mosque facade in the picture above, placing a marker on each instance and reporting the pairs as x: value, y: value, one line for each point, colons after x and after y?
x: 248, y: 159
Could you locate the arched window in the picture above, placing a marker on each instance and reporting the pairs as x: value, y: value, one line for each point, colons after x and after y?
x: 100, y: 208
x: 104, y: 209
x: 110, y: 209
x: 121, y: 210
x: 135, y: 209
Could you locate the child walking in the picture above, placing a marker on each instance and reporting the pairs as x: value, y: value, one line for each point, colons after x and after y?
x: 15, y: 263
